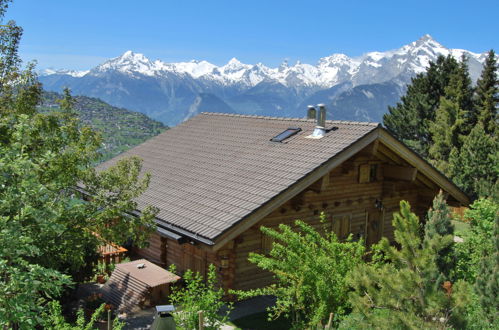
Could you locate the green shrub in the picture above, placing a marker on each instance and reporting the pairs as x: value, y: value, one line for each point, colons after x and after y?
x: 199, y: 295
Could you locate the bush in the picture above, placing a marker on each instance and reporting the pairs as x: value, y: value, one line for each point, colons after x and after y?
x: 478, y: 241
x: 198, y: 295
x: 310, y: 271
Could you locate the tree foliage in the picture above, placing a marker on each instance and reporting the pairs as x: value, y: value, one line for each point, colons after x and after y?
x: 199, y: 295
x: 478, y: 241
x: 410, y: 119
x: 55, y: 321
x: 487, y: 279
x: 454, y: 118
x: 438, y: 226
x: 310, y: 270
x: 487, y: 94
x: 47, y: 229
x: 475, y: 166
x: 452, y: 124
x: 407, y: 290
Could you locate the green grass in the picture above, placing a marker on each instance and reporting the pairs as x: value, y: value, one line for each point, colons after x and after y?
x: 259, y: 321
x: 460, y: 227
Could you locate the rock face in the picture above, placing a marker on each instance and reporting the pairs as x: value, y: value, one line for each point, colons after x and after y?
x: 354, y: 88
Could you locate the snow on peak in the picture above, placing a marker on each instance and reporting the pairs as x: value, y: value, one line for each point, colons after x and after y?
x: 72, y: 73
x: 372, y: 67
x: 234, y: 62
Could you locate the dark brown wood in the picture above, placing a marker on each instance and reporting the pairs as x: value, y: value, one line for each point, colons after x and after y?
x: 399, y: 172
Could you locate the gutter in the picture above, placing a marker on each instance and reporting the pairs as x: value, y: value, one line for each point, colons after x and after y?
x: 165, y: 229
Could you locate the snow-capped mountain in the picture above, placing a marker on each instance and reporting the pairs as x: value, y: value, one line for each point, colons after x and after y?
x: 172, y: 92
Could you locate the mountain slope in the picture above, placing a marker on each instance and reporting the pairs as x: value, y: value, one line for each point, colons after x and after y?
x: 171, y: 92
x: 121, y: 129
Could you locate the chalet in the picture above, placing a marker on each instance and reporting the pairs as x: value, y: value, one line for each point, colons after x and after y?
x: 217, y: 178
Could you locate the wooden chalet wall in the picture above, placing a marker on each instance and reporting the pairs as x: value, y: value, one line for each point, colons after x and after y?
x: 349, y: 206
x: 343, y: 199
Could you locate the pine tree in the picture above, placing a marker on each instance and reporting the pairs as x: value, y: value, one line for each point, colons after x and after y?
x: 409, y: 120
x: 475, y: 166
x: 487, y: 94
x: 438, y: 227
x: 453, y: 118
x: 407, y: 291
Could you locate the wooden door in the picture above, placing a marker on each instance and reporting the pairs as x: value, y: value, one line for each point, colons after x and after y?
x: 341, y: 225
x: 374, y: 226
x: 194, y: 259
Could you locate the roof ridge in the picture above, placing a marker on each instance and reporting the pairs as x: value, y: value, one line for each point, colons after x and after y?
x: 349, y: 122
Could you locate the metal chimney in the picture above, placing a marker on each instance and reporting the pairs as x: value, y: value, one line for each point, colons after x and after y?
x: 321, y: 119
x: 311, y: 112
x: 320, y: 128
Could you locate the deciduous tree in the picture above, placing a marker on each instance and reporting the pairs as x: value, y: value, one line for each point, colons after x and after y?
x: 309, y: 268
x: 47, y: 228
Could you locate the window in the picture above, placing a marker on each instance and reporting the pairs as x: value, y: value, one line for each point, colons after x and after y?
x: 373, y: 173
x: 286, y: 134
x: 368, y: 173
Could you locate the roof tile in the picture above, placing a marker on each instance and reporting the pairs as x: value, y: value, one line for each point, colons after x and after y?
x: 215, y: 169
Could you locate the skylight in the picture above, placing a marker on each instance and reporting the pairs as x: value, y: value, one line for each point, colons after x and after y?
x: 286, y: 134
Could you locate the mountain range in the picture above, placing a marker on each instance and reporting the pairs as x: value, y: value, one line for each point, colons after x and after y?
x: 359, y: 88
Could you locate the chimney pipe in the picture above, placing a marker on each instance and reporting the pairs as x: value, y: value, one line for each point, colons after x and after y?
x: 321, y: 119
x: 311, y: 112
x: 320, y: 126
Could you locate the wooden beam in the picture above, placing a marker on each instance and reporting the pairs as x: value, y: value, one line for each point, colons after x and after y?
x: 427, y: 182
x: 399, y: 172
x: 423, y: 166
x: 321, y: 184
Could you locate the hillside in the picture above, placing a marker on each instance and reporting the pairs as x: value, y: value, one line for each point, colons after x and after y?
x: 121, y: 129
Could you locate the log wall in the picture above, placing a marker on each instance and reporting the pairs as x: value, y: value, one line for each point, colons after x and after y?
x: 339, y: 195
x: 342, y: 196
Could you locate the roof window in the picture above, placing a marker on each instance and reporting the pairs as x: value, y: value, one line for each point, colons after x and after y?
x: 286, y: 134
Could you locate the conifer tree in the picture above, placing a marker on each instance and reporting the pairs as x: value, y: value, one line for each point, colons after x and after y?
x: 475, y: 166
x: 487, y: 94
x: 407, y: 291
x: 439, y: 226
x: 409, y: 120
x: 452, y: 119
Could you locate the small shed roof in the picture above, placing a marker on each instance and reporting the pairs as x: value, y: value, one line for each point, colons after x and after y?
x: 150, y: 274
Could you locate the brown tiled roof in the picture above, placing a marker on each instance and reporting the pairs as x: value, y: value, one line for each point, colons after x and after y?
x: 213, y: 170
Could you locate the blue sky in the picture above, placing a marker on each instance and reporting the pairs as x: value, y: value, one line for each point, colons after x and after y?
x: 81, y: 34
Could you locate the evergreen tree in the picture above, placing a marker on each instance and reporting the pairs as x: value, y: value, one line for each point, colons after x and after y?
x: 452, y: 119
x: 464, y: 97
x: 439, y: 226
x: 409, y: 120
x: 475, y: 167
x: 406, y: 291
x: 487, y: 95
